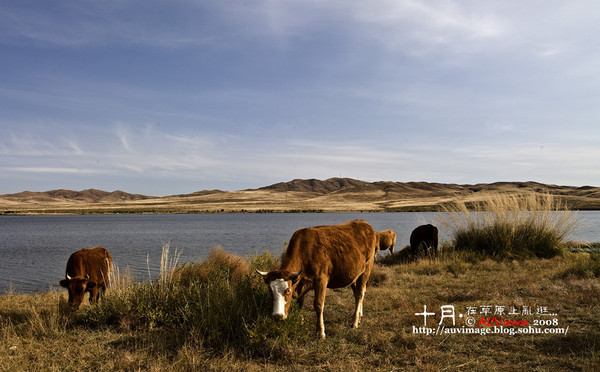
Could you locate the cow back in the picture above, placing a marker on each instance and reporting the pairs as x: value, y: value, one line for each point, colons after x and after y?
x: 94, y: 262
x: 427, y: 234
x: 339, y: 252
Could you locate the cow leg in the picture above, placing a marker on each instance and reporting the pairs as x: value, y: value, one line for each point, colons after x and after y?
x: 319, y: 303
x: 94, y: 295
x: 358, y: 299
x: 301, y: 291
x: 430, y: 250
x: 359, y: 288
x: 300, y: 301
x: 102, y: 292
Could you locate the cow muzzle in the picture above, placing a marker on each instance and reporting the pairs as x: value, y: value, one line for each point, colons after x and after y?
x: 279, y: 316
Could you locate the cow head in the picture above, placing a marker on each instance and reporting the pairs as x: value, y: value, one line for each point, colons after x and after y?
x: 386, y: 240
x: 393, y: 236
x: 77, y: 288
x: 282, y: 286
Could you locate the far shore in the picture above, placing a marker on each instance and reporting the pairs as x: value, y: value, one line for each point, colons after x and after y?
x: 334, y: 195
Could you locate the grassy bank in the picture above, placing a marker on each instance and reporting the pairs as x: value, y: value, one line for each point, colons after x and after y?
x: 506, y: 262
x: 214, y: 315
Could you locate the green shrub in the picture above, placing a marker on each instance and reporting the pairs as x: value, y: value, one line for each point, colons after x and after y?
x: 511, y: 226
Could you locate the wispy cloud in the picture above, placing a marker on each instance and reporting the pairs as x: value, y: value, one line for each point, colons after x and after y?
x: 50, y: 170
x: 127, y: 148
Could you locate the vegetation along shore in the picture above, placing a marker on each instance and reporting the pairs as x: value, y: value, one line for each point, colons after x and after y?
x: 535, y: 306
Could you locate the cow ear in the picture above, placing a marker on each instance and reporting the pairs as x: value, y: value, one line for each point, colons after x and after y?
x: 262, y: 273
x: 90, y: 284
x: 64, y: 283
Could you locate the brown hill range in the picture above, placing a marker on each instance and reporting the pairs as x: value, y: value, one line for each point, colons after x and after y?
x: 301, y: 195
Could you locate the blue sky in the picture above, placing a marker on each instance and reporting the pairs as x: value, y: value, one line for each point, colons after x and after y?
x: 168, y: 97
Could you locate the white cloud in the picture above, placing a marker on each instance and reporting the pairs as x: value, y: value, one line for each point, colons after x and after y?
x: 431, y: 24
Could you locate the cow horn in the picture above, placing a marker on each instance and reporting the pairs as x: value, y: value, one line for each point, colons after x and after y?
x: 262, y: 273
x: 87, y: 276
x: 68, y: 277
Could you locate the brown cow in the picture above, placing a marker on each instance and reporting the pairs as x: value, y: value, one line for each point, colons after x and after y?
x: 424, y: 240
x: 386, y: 240
x: 87, y: 271
x: 323, y: 257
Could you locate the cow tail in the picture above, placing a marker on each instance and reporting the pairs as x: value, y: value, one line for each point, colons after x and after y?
x: 109, y: 269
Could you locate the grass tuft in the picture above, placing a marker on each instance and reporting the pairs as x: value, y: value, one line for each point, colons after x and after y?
x: 218, y: 266
x: 511, y: 226
x: 379, y: 275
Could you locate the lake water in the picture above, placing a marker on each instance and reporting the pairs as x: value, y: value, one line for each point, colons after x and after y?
x: 34, y: 249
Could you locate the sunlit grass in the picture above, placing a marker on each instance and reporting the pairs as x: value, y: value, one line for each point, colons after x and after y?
x: 215, y: 315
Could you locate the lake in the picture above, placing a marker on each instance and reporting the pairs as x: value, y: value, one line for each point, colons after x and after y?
x: 34, y: 249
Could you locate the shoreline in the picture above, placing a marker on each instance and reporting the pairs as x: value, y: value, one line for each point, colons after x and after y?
x: 110, y: 211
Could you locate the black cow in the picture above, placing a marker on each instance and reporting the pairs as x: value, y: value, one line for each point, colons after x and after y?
x: 424, y: 240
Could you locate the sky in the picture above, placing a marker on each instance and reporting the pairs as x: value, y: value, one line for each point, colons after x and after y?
x: 170, y: 97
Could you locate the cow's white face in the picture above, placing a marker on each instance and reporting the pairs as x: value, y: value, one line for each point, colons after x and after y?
x: 282, y: 296
x: 282, y: 289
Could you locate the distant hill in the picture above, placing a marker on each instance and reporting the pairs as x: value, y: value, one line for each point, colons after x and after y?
x: 331, y: 195
x: 317, y: 186
x: 86, y: 196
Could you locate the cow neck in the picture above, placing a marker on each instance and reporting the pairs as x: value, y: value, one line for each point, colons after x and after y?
x: 292, y: 264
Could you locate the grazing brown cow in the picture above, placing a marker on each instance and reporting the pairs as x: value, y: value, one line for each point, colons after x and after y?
x: 386, y: 240
x: 323, y: 257
x: 424, y: 240
x: 88, y: 270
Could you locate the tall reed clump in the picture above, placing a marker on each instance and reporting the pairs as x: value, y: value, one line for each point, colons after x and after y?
x: 218, y: 303
x: 511, y: 226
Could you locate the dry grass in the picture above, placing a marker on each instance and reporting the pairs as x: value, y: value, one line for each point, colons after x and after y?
x: 511, y: 226
x: 36, y: 334
x: 218, y: 262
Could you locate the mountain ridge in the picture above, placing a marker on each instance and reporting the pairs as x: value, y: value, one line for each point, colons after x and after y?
x: 330, y: 195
